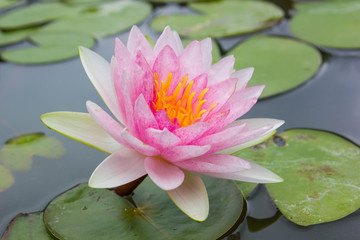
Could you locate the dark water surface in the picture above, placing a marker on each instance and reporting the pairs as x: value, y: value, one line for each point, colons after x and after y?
x: 329, y: 101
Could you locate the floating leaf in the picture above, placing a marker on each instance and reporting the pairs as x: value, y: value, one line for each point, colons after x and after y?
x: 85, y: 213
x: 14, y: 36
x: 246, y: 188
x: 280, y: 63
x: 320, y: 171
x: 9, y: 3
x: 6, y: 178
x: 330, y: 24
x: 27, y: 226
x: 54, y: 46
x: 104, y: 20
x: 18, y: 152
x: 35, y: 14
x: 222, y: 19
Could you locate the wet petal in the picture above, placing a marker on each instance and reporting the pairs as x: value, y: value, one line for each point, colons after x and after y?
x: 167, y: 176
x: 81, y: 127
x: 191, y: 197
x: 119, y: 168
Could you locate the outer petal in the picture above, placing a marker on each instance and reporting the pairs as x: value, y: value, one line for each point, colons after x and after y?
x: 256, y: 173
x: 167, y: 176
x: 112, y: 127
x: 206, y: 52
x: 99, y: 72
x: 180, y: 153
x: 137, y: 41
x: 243, y: 77
x: 218, y: 163
x: 138, y: 145
x: 221, y: 70
x: 253, y: 124
x: 191, y: 60
x: 81, y: 127
x: 119, y: 168
x: 191, y: 197
x: 170, y: 38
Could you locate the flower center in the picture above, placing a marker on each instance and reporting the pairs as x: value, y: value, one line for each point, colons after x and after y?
x: 180, y: 105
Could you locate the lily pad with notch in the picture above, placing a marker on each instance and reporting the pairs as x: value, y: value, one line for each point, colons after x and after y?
x: 320, y: 171
x: 86, y: 213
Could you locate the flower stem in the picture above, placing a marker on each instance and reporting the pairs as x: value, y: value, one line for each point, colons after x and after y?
x: 128, y: 188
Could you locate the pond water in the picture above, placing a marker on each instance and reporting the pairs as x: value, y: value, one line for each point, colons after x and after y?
x: 329, y: 101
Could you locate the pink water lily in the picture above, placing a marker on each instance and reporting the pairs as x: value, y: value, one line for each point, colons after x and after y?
x: 174, y: 118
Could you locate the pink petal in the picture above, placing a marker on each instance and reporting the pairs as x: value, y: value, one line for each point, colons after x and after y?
x: 219, y: 94
x: 258, y: 130
x: 138, y: 145
x: 255, y: 174
x: 112, y: 127
x: 161, y: 139
x: 122, y: 54
x: 138, y: 42
x: 219, y: 139
x: 128, y: 101
x: 241, y: 102
x: 191, y: 132
x: 118, y: 169
x: 180, y: 153
x: 243, y: 77
x: 191, y: 197
x: 143, y: 116
x: 221, y: 70
x: 218, y: 163
x: 99, y: 73
x: 116, y: 75
x: 200, y: 83
x: 165, y: 175
x: 191, y: 60
x: 170, y: 38
x: 206, y: 52
x: 163, y: 120
x: 165, y: 63
x: 144, y: 78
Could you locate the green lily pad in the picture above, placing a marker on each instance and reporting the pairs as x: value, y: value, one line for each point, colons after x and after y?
x: 35, y: 14
x: 320, y: 171
x: 280, y: 63
x: 103, y: 20
x: 6, y: 178
x: 27, y: 226
x: 18, y: 152
x: 221, y: 19
x: 9, y: 3
x: 246, y: 188
x: 85, y: 213
x: 330, y: 24
x: 14, y: 36
x: 54, y: 46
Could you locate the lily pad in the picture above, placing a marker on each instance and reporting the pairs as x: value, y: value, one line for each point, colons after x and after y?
x: 18, y: 152
x: 54, y: 46
x: 246, y: 188
x: 14, y: 36
x: 6, y: 178
x: 280, y: 63
x: 222, y: 19
x: 27, y: 226
x: 35, y: 14
x: 320, y: 171
x: 103, y: 20
x: 9, y: 3
x: 332, y: 24
x: 85, y: 213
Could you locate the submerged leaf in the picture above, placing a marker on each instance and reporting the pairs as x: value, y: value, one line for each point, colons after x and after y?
x: 6, y: 178
x: 320, y: 171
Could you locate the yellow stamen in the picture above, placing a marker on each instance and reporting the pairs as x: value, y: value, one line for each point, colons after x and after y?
x: 178, y: 103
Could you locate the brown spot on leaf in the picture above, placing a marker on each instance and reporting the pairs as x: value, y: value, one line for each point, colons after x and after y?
x: 260, y: 146
x: 305, y: 137
x: 313, y: 172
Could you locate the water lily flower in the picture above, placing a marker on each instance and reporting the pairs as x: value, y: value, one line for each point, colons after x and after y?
x: 175, y: 117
